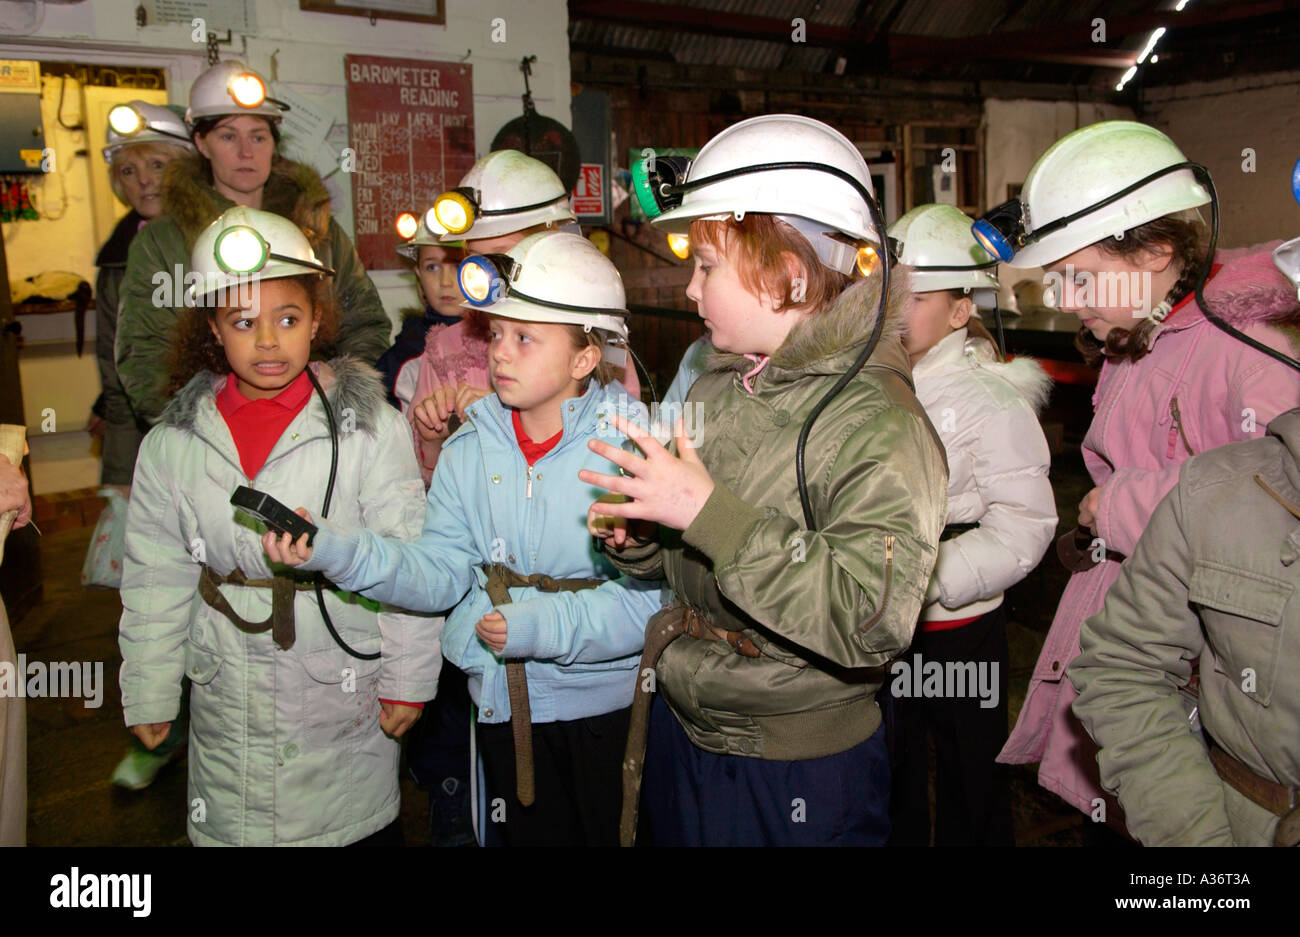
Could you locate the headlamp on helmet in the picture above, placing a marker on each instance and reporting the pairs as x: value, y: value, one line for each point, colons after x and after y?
x: 457, y: 209
x: 657, y: 181
x: 126, y: 120
x: 241, y: 249
x: 1001, y: 230
x: 406, y: 224
x: 247, y: 90
x: 485, y: 278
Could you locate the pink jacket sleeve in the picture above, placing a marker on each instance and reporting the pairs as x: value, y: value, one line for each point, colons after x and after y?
x: 1129, y: 497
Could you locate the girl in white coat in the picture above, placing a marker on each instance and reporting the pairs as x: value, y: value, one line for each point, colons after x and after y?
x: 952, y: 684
x: 295, y: 713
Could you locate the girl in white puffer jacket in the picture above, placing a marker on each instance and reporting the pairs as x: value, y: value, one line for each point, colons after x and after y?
x: 952, y: 683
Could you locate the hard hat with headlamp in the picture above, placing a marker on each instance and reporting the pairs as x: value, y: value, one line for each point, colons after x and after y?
x: 504, y: 192
x: 1097, y: 182
x: 799, y: 169
x: 936, y: 245
x: 247, y: 245
x: 231, y: 88
x: 551, y: 276
x: 805, y: 173
x: 140, y: 122
x: 416, y: 232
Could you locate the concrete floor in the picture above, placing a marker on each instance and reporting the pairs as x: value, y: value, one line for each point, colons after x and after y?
x: 73, y: 749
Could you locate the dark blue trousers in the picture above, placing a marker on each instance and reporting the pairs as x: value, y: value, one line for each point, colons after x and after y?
x: 691, y: 797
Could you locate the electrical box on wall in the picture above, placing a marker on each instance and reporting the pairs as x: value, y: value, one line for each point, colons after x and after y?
x: 22, y: 134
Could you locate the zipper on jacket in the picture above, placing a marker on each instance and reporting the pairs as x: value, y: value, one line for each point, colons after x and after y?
x: 528, y: 489
x: 1176, y: 430
x: 889, y: 576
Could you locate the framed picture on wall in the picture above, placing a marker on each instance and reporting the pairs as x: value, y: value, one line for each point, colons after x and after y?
x: 416, y: 11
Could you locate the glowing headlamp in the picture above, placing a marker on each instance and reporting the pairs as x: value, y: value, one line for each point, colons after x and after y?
x: 485, y: 278
x: 455, y: 210
x: 241, y: 249
x: 680, y: 245
x: 247, y: 90
x: 407, y: 224
x: 125, y: 120
x: 867, y: 260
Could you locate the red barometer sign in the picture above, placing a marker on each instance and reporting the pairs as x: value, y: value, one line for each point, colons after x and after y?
x: 411, y: 124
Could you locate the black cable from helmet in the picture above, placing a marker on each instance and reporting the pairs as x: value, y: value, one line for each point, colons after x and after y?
x: 324, y: 512
x: 854, y: 368
x: 1205, y: 275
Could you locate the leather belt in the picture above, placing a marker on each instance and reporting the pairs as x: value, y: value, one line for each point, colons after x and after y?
x: 499, y: 580
x: 1277, y: 799
x: 281, y: 620
x: 665, y: 627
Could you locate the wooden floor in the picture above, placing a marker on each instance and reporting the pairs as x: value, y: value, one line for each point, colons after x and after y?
x: 72, y: 749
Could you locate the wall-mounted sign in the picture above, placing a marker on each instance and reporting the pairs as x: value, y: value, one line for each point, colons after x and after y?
x: 411, y: 127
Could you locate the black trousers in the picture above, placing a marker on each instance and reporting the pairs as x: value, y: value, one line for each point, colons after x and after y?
x: 578, y: 771
x: 972, y: 791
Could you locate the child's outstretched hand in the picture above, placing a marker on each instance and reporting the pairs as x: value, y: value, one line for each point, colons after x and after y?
x: 492, y: 629
x: 396, y: 718
x: 151, y: 734
x: 433, y: 413
x: 281, y: 548
x: 662, y: 487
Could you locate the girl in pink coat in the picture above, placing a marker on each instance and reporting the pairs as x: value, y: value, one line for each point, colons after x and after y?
x: 1109, y: 213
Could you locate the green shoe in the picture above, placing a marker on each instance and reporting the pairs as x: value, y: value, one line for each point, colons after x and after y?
x: 138, y: 769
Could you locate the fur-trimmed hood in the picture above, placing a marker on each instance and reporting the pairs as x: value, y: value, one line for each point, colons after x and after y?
x: 348, y: 384
x: 829, y: 341
x: 294, y: 190
x: 1249, y: 289
x: 959, y: 352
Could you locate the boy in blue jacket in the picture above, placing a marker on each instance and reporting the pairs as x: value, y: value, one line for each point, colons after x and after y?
x: 548, y: 634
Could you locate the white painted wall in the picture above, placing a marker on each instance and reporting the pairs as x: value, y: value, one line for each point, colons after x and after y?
x: 1214, y: 122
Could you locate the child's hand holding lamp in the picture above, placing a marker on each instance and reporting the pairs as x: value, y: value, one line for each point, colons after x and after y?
x: 664, y: 489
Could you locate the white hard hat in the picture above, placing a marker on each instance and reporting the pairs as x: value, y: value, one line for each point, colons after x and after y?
x: 551, y: 276
x: 504, y: 192
x: 428, y: 233
x: 1085, y: 167
x: 246, y: 245
x: 140, y: 122
x: 821, y: 196
x: 231, y: 88
x: 935, y: 243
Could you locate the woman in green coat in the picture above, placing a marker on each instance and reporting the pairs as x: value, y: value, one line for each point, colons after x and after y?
x: 235, y: 129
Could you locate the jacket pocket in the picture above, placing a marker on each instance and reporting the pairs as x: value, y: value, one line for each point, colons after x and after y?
x: 339, y: 699
x: 1242, y: 612
x: 201, y: 664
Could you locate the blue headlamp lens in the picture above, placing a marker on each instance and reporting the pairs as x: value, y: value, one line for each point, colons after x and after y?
x: 482, y: 280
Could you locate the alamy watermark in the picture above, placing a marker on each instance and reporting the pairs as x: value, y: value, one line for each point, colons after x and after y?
x: 932, y: 679
x: 1108, y: 289
x: 65, y: 679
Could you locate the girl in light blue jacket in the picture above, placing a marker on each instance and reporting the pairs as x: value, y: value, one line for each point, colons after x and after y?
x: 547, y: 632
